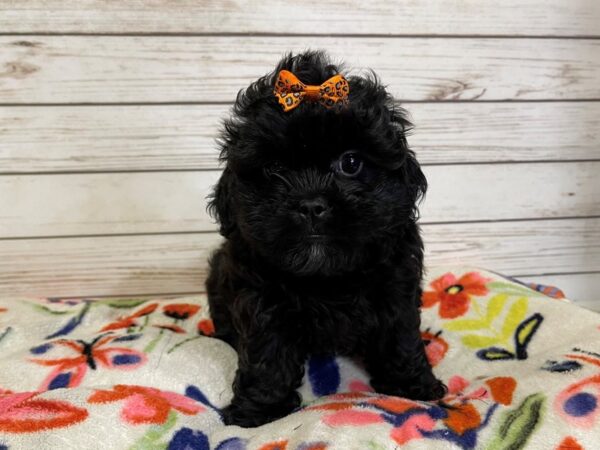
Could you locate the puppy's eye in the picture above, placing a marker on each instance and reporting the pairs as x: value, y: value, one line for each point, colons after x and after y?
x: 350, y: 164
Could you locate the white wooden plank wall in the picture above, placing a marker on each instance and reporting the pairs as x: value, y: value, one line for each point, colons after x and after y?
x: 109, y: 110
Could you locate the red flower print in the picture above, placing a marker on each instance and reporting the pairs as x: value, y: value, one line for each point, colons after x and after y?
x: 206, y: 327
x: 343, y: 413
x: 352, y: 417
x: 502, y: 389
x: 456, y: 391
x: 146, y: 405
x: 180, y: 311
x: 130, y: 321
x: 279, y: 445
x: 70, y: 371
x: 435, y: 346
x: 569, y: 443
x: 313, y: 446
x: 454, y: 295
x: 359, y: 386
x: 3, y: 310
x: 340, y: 401
x: 22, y: 413
x: 413, y: 428
x: 173, y: 328
x: 331, y: 406
x: 462, y: 417
x: 579, y: 403
x: 396, y: 405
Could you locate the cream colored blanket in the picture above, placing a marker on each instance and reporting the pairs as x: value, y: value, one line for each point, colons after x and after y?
x: 523, y: 371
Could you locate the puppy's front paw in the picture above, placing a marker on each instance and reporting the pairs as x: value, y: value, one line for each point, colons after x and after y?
x: 427, y: 391
x: 249, y: 416
x: 234, y: 415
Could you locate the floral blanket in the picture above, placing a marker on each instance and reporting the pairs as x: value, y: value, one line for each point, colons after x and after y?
x: 523, y: 371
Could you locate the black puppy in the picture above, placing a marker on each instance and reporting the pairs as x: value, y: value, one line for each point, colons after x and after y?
x: 322, y: 255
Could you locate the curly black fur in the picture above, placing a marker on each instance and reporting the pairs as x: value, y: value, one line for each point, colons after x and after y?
x: 314, y: 261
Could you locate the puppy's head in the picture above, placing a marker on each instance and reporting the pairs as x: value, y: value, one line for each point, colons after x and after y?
x: 317, y: 190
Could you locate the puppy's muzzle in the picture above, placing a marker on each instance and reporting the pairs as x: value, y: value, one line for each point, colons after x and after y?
x: 314, y: 209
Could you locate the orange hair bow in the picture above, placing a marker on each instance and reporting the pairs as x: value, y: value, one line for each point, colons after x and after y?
x: 290, y: 91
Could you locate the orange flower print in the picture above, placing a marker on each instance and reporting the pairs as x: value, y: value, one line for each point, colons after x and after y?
x: 70, y: 371
x: 462, y: 417
x: 279, y: 445
x: 454, y: 295
x: 206, y: 327
x: 569, y: 443
x: 146, y: 405
x: 22, y: 412
x: 173, y: 328
x: 462, y: 414
x: 180, y: 311
x: 435, y: 346
x: 130, y: 321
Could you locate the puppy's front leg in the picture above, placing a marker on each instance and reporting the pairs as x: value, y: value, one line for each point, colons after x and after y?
x: 270, y: 371
x: 396, y: 358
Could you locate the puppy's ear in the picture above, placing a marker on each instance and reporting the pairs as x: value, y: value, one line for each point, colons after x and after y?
x: 220, y: 203
x: 417, y: 183
x: 410, y: 170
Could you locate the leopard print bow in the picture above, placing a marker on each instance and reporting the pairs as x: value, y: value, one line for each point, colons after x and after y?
x: 290, y: 91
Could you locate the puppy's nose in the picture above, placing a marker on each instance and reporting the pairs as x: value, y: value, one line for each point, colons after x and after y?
x: 314, y: 207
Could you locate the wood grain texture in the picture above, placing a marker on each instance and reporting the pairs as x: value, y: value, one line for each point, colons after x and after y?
x: 482, y: 17
x: 581, y: 288
x: 104, y: 266
x: 130, y: 265
x: 166, y: 137
x: 511, y: 191
x: 513, y: 248
x: 505, y: 132
x: 90, y: 204
x: 101, y: 138
x: 89, y: 69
